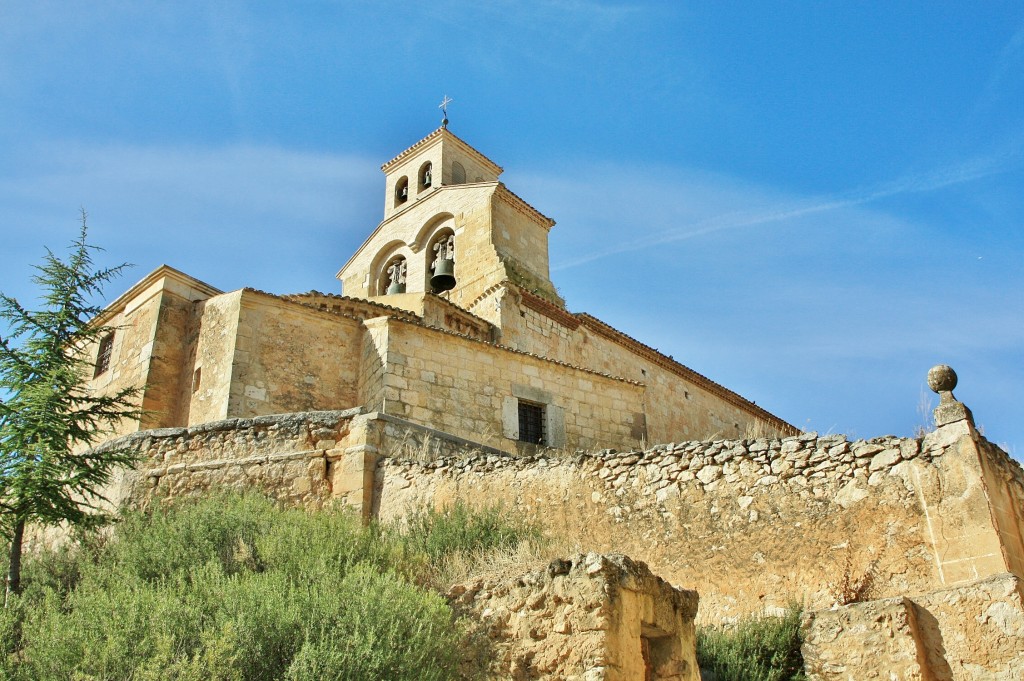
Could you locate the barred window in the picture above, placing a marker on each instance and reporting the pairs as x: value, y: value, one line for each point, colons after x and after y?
x: 103, y: 356
x: 531, y: 423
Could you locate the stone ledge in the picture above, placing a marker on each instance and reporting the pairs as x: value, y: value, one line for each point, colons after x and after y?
x: 224, y: 463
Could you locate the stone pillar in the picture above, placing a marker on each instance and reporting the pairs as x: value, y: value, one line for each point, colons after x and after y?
x: 956, y: 500
x: 352, y: 466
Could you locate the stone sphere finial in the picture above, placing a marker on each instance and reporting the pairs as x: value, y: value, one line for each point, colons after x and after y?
x: 941, y: 378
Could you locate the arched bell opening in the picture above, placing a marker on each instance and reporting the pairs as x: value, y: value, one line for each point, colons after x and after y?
x: 392, y: 277
x: 426, y: 176
x: 440, y: 254
x: 401, y: 190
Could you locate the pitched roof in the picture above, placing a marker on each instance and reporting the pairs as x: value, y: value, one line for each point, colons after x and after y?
x: 439, y: 134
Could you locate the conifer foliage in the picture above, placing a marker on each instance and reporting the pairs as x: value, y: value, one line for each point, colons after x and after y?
x: 48, y: 416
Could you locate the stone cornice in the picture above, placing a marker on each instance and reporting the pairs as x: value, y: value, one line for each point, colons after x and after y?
x: 384, y: 310
x: 522, y: 206
x: 546, y: 308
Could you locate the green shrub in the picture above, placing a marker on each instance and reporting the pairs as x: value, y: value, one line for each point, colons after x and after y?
x: 233, y: 588
x: 381, y: 630
x: 756, y: 649
x: 460, y: 528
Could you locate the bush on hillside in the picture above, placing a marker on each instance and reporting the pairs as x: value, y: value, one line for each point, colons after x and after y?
x: 233, y: 588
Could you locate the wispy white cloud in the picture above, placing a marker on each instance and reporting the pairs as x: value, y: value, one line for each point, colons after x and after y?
x: 1009, y: 65
x: 791, y: 209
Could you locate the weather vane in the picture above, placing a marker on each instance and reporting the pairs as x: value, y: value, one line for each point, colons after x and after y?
x: 444, y: 109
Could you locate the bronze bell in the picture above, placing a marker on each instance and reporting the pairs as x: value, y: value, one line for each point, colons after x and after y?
x: 396, y: 287
x: 444, y: 275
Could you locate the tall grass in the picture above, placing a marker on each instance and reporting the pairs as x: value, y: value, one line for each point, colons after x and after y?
x: 233, y: 588
x: 459, y: 541
x: 756, y: 649
x: 458, y: 528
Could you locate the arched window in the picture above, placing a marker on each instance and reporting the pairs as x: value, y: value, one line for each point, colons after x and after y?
x: 426, y: 175
x: 441, y: 261
x: 458, y: 173
x: 392, y: 276
x: 402, y: 190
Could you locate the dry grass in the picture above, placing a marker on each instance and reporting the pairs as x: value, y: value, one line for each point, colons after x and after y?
x: 500, y: 562
x: 495, y: 563
x: 925, y: 406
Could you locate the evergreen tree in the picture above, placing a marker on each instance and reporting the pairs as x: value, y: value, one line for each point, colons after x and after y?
x: 48, y: 415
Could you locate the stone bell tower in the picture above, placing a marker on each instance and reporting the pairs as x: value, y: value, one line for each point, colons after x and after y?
x: 451, y: 228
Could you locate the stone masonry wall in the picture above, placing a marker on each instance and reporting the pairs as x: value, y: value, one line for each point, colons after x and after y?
x: 214, y: 353
x: 291, y: 358
x: 426, y: 371
x: 749, y: 524
x: 675, y: 407
x: 1005, y: 488
x: 169, y: 366
x: 290, y: 457
x: 132, y: 350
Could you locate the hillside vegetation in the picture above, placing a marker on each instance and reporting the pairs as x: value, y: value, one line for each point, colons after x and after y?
x: 234, y: 588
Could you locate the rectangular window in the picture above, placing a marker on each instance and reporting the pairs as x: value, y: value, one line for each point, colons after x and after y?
x: 531, y: 423
x: 103, y: 356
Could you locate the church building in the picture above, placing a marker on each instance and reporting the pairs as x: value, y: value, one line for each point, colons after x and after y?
x: 447, y: 322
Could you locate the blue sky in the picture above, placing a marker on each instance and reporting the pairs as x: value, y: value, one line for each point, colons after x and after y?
x: 811, y: 203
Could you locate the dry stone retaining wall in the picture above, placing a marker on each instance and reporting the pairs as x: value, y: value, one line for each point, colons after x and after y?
x: 749, y: 524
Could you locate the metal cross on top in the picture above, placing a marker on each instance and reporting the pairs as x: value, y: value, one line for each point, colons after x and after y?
x: 444, y: 109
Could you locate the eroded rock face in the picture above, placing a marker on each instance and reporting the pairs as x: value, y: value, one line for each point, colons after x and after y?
x: 589, y: 617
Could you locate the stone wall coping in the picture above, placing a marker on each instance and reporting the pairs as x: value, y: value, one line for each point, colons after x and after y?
x: 385, y: 310
x: 296, y: 305
x: 707, y: 460
x: 160, y: 471
x: 489, y: 291
x: 328, y: 418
